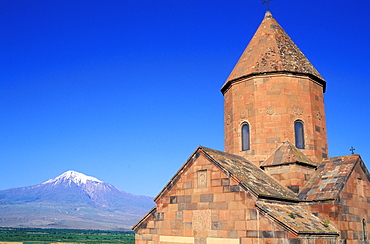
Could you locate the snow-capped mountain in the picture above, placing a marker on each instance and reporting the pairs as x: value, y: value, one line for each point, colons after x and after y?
x: 70, y: 177
x: 71, y: 200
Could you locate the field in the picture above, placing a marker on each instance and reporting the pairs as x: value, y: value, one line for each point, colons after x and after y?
x: 49, y: 236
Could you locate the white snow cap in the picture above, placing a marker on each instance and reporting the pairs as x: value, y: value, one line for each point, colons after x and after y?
x: 72, y: 176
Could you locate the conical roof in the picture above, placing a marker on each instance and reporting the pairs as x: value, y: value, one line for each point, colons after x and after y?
x: 271, y: 50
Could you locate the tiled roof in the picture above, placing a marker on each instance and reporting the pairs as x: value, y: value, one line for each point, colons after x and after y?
x: 287, y: 153
x: 297, y: 219
x: 272, y: 50
x: 330, y: 178
x: 249, y: 175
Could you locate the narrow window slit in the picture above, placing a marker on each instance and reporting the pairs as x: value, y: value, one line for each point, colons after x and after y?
x: 245, y: 137
x: 299, y: 134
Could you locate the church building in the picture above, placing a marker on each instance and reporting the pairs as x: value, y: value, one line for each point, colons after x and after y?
x: 275, y: 182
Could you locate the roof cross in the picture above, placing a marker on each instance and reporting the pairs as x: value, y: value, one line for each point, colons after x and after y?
x: 267, y: 4
x: 352, y: 150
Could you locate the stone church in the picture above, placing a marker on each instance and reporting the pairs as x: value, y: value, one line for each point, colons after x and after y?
x: 275, y: 182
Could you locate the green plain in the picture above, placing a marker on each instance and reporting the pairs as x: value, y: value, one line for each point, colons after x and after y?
x: 48, y: 236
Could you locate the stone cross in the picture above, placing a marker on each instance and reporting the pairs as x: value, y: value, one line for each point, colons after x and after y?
x: 352, y: 150
x: 267, y: 4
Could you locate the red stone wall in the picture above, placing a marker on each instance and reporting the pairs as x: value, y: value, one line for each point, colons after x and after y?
x: 292, y: 176
x: 211, y: 209
x: 271, y: 104
x: 348, y: 212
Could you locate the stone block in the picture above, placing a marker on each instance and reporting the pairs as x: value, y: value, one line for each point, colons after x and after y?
x: 354, y: 218
x: 219, y: 197
x: 187, y: 206
x: 223, y: 241
x: 343, y: 234
x: 355, y: 235
x: 251, y: 225
x: 187, y: 185
x: 216, y: 225
x: 206, y: 198
x: 235, y: 188
x: 172, y: 207
x: 184, y: 199
x: 280, y: 234
x: 224, y: 215
x: 176, y: 239
x: 253, y: 214
x: 267, y: 234
x: 226, y: 182
x: 216, y: 182
x: 203, y: 205
x: 217, y: 189
x: 238, y: 214
x: 232, y: 234
x: 179, y: 215
x: 252, y: 233
x: 187, y: 226
x: 218, y: 205
x: 201, y: 220
x: 273, y: 140
x: 240, y: 225
x: 230, y: 196
x: 176, y: 224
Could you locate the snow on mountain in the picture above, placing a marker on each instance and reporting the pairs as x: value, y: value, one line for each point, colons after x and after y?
x: 75, y: 198
x: 72, y: 176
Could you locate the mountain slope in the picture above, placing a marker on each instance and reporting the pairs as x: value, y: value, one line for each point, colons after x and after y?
x: 72, y: 200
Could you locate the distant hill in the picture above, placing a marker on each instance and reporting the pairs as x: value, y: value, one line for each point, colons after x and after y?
x: 72, y: 200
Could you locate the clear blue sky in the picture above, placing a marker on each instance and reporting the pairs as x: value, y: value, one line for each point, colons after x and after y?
x: 125, y: 91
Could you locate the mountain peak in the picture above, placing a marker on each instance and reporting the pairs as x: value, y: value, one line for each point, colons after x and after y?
x: 72, y: 200
x: 72, y: 176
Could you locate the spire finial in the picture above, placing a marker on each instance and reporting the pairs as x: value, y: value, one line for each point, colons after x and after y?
x: 267, y: 4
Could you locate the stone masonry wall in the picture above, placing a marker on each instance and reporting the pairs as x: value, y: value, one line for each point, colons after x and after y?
x: 271, y: 104
x: 205, y: 206
x: 350, y: 212
x: 292, y: 176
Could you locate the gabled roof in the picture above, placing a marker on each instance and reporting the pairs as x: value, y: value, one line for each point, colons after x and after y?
x: 296, y: 219
x: 270, y: 51
x: 249, y: 176
x: 331, y: 177
x: 287, y: 153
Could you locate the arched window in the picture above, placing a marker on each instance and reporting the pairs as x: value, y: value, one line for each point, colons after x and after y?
x: 364, y: 229
x: 299, y: 134
x: 245, y: 137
